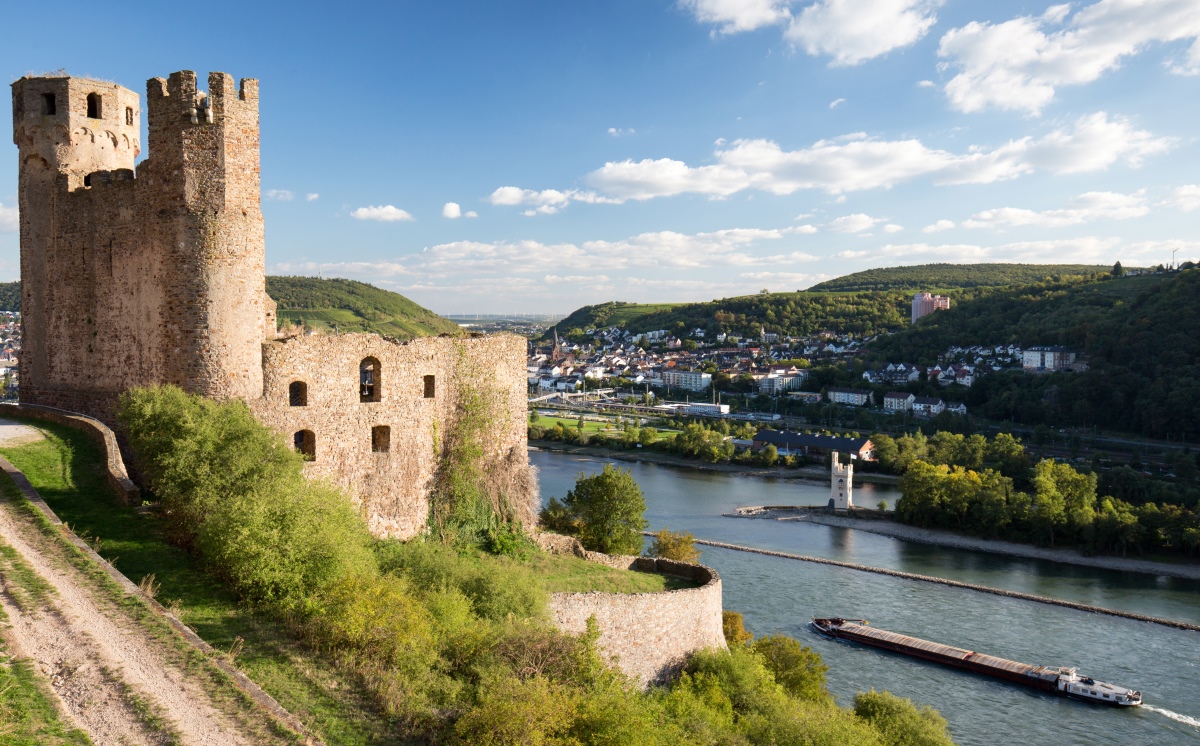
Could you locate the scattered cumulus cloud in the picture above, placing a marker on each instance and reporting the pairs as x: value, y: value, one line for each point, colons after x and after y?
x: 850, y: 32
x: 1019, y: 64
x: 621, y: 131
x: 854, y: 162
x: 312, y: 197
x: 454, y: 211
x: 926, y: 84
x: 1083, y: 209
x: 279, y: 195
x: 856, y: 223
x: 836, y: 103
x: 9, y: 219
x: 850, y: 254
x: 1186, y: 198
x: 382, y: 213
x: 892, y: 228
x: 938, y: 227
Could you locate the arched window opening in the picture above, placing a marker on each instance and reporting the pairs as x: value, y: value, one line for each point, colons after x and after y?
x: 129, y: 115
x: 369, y: 381
x: 381, y: 439
x: 298, y: 394
x: 49, y: 104
x: 306, y: 443
x: 429, y: 387
x: 94, y: 110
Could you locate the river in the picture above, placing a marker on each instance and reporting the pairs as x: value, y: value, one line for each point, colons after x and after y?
x: 780, y: 595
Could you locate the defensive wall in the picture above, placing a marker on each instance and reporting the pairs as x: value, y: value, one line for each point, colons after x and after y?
x: 650, y: 635
x: 137, y: 274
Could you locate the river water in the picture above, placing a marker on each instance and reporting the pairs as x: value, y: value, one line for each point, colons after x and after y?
x: 781, y: 595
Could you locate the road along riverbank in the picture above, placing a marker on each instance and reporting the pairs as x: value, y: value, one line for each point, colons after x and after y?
x: 936, y: 537
x: 955, y: 584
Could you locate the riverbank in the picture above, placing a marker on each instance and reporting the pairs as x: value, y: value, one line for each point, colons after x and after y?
x: 817, y: 473
x: 887, y: 527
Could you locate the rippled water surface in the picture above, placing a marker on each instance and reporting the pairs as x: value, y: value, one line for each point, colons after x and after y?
x: 781, y: 595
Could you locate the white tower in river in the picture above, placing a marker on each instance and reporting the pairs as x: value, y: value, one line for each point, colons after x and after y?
x: 841, y: 483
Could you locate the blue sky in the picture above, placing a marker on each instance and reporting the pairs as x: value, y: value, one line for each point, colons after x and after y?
x: 537, y: 156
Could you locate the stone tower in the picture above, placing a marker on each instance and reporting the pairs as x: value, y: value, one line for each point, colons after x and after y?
x: 841, y: 483
x: 147, y: 273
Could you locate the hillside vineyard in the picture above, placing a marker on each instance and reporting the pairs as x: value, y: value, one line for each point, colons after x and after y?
x: 154, y: 274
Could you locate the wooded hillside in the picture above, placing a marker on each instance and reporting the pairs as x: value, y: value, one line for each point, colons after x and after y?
x: 942, y: 277
x: 353, y: 307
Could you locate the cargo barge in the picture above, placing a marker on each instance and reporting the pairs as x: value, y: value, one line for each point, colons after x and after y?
x: 1059, y: 680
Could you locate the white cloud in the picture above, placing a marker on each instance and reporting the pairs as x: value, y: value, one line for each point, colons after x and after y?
x: 1186, y: 198
x: 850, y: 254
x: 1083, y: 250
x: 279, y: 195
x: 805, y: 229
x: 384, y: 213
x: 312, y: 197
x: 10, y: 219
x: 621, y: 131
x: 855, y: 162
x: 733, y: 16
x: 938, y: 227
x: 892, y: 228
x: 452, y: 210
x: 926, y: 84
x: 854, y: 31
x: 1083, y: 209
x: 1018, y: 64
x: 573, y: 279
x: 836, y: 103
x: 849, y: 31
x: 545, y: 202
x: 856, y: 223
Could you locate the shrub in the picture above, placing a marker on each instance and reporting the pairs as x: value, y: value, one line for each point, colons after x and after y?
x: 515, y: 711
x: 558, y: 518
x: 674, y: 545
x: 609, y: 505
x: 900, y: 722
x: 733, y: 625
x: 798, y: 669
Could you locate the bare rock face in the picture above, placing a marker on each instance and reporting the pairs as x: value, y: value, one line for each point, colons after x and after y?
x: 153, y: 273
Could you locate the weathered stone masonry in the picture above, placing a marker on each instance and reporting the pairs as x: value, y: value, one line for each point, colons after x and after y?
x: 154, y: 273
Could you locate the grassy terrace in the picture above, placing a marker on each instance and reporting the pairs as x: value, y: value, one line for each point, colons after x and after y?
x: 67, y: 470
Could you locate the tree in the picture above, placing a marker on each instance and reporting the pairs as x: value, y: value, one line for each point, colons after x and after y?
x: 534, y: 416
x: 769, y: 456
x: 647, y: 436
x: 798, y: 669
x: 610, y: 507
x: 733, y: 625
x: 674, y: 545
x: 1118, y: 270
x: 900, y: 722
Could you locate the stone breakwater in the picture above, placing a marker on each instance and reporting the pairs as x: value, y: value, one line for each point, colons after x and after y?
x: 649, y: 635
x: 958, y: 584
x: 879, y: 522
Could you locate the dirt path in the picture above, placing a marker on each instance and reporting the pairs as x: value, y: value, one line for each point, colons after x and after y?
x: 116, y: 684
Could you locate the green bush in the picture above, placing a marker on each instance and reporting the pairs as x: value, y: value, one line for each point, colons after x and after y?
x: 733, y: 626
x: 798, y: 669
x: 900, y: 721
x: 674, y: 545
x: 609, y: 507
x: 516, y: 712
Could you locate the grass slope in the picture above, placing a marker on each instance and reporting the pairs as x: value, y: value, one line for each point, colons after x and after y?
x: 353, y: 307
x: 935, y: 277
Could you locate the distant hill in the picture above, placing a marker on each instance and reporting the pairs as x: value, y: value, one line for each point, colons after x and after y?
x: 353, y: 307
x: 10, y: 296
x: 950, y: 276
x: 782, y: 313
x: 1138, y: 333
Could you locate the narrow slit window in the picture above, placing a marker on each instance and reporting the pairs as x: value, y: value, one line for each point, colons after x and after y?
x: 129, y: 115
x: 430, y: 387
x: 369, y: 380
x: 298, y: 394
x: 49, y: 104
x: 94, y: 109
x: 306, y: 443
x: 381, y: 439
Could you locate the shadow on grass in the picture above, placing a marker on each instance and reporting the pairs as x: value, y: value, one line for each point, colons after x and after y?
x: 67, y: 469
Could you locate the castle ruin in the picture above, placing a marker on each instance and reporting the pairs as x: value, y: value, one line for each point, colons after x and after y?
x: 135, y: 274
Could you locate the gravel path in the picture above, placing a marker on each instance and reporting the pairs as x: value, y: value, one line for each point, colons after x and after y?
x: 108, y: 675
x: 947, y: 539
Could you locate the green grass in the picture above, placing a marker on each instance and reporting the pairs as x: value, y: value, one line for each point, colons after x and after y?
x: 28, y: 715
x: 568, y: 574
x: 67, y: 470
x: 589, y: 426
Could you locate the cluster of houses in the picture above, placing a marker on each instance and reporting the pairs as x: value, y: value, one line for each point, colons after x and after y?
x: 10, y: 347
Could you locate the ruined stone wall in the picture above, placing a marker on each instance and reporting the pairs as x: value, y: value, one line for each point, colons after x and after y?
x: 650, y: 635
x: 393, y: 485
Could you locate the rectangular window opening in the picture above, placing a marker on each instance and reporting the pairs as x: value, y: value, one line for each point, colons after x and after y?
x: 49, y: 104
x: 129, y: 115
x: 381, y: 439
x: 430, y: 389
